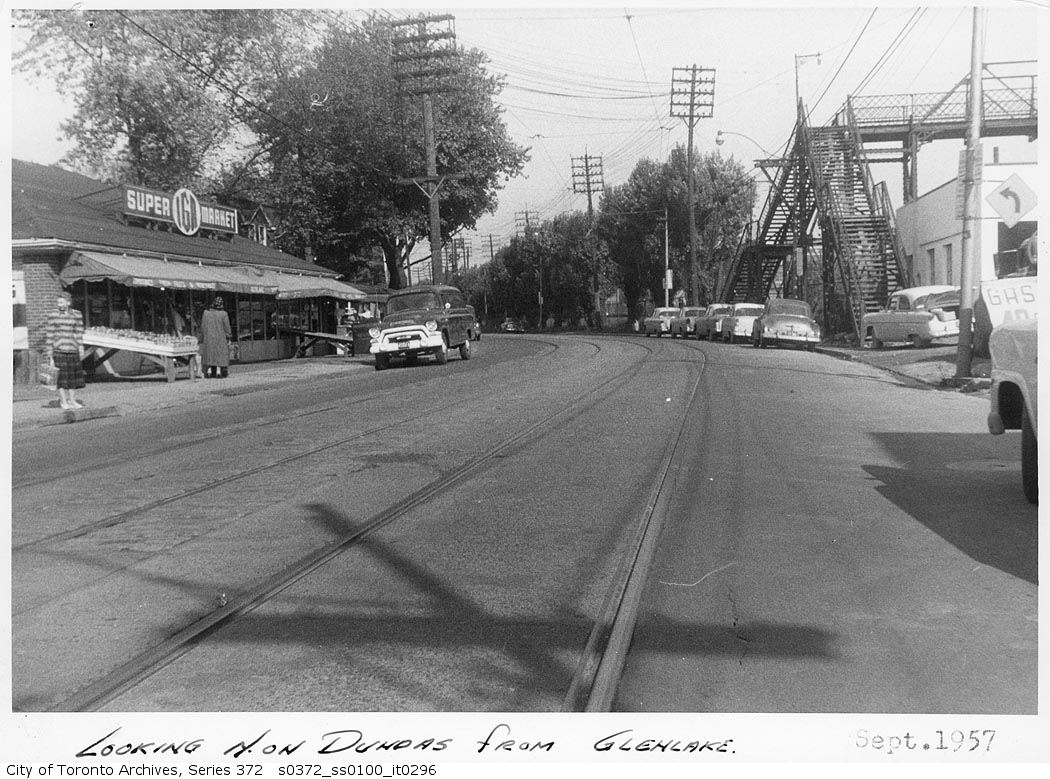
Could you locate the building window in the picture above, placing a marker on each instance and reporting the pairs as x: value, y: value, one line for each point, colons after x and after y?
x: 931, y: 255
x: 948, y: 263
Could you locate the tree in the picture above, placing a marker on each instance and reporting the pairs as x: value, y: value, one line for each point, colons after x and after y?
x: 158, y: 95
x: 344, y: 162
x: 631, y: 223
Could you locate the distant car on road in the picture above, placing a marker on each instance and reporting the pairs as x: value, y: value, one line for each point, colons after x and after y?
x: 916, y: 315
x: 512, y: 326
x: 659, y: 322
x: 684, y: 325
x: 739, y: 323
x: 1014, y: 394
x: 786, y: 321
x: 426, y: 319
x: 709, y: 325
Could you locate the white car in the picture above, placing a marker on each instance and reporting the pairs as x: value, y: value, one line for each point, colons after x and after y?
x: 659, y: 322
x: 916, y: 315
x: 738, y: 325
x: 684, y: 325
x: 1015, y: 393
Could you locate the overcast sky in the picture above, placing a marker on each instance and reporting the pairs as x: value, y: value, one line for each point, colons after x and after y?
x: 596, y: 80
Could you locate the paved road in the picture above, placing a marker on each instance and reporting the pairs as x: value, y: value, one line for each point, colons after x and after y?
x: 836, y: 541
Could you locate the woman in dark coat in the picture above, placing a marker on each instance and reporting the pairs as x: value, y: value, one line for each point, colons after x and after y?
x: 215, y: 340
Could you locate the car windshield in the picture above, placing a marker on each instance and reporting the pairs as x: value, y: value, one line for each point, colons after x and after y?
x: 411, y: 301
x: 789, y: 307
x: 665, y: 313
x: 750, y: 311
x: 719, y: 310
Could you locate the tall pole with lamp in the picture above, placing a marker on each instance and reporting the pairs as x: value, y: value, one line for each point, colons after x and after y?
x: 801, y: 244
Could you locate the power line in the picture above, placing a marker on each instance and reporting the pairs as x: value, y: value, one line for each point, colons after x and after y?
x: 901, y: 34
x: 843, y: 63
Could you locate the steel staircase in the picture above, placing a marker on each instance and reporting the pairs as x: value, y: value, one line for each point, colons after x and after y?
x: 824, y: 182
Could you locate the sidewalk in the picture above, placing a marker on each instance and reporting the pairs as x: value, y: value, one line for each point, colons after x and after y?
x: 34, y: 406
x: 934, y: 365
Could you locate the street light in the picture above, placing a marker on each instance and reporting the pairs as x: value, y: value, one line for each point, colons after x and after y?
x: 719, y: 140
x: 800, y: 59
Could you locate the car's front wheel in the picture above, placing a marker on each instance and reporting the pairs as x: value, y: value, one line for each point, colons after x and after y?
x: 1029, y: 459
x: 441, y: 355
x: 464, y: 350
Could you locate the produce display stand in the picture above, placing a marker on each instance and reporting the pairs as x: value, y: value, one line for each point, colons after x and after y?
x: 172, y: 357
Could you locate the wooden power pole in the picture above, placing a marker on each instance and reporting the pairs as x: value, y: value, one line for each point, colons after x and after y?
x: 422, y: 54
x: 692, y: 99
x: 971, y: 200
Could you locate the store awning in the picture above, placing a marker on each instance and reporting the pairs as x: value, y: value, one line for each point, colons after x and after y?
x: 293, y: 287
x: 132, y: 271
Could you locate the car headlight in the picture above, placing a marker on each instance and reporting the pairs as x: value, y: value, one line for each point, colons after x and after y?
x: 374, y: 332
x: 432, y: 325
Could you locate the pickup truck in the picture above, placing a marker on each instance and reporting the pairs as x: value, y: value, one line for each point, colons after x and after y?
x: 1015, y: 394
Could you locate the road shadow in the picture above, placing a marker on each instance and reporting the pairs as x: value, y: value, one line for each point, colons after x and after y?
x: 527, y: 660
x: 967, y: 490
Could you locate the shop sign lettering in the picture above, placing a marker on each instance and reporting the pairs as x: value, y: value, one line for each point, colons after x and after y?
x: 181, y: 209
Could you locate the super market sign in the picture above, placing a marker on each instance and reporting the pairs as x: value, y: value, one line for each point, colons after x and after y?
x: 182, y: 209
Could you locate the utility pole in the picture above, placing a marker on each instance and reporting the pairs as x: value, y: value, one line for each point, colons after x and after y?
x: 587, y: 178
x: 692, y: 99
x: 421, y: 58
x: 667, y: 263
x: 522, y: 225
x: 971, y: 199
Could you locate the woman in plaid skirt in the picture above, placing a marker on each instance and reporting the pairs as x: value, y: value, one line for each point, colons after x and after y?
x: 65, y: 348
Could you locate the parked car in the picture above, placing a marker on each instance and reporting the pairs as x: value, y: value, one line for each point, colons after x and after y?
x: 659, y: 322
x: 428, y: 319
x: 709, y: 325
x: 1015, y: 394
x: 916, y: 315
x: 512, y: 326
x: 738, y: 324
x: 684, y: 325
x: 786, y: 321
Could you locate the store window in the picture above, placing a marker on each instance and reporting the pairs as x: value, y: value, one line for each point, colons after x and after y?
x: 947, y: 263
x: 249, y: 317
x: 931, y: 255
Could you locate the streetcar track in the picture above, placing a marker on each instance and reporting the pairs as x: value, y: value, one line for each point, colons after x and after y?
x: 145, y: 664
x: 118, y: 519
x: 593, y: 686
x: 225, y: 431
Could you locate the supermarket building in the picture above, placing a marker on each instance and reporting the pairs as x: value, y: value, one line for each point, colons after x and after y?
x: 141, y: 261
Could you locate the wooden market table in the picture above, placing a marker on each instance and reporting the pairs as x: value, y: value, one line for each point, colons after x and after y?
x: 171, y: 357
x: 307, y: 339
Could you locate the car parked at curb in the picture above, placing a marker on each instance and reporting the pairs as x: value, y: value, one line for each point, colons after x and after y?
x: 423, y: 320
x: 709, y: 325
x: 684, y: 325
x: 785, y: 321
x: 915, y: 315
x: 738, y: 325
x: 659, y: 322
x: 1014, y: 393
x: 512, y: 326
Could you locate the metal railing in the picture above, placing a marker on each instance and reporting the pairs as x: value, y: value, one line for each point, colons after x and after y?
x: 1008, y: 97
